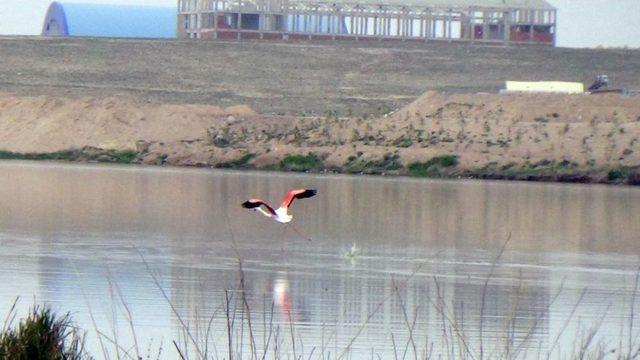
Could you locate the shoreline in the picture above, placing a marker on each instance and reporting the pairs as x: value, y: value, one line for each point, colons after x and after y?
x: 437, y: 168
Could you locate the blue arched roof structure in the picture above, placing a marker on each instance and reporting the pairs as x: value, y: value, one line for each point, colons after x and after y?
x: 107, y: 20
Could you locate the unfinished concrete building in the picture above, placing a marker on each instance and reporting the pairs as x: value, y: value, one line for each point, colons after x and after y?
x: 486, y: 21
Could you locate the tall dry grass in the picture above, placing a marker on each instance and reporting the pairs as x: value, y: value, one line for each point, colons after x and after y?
x: 250, y: 336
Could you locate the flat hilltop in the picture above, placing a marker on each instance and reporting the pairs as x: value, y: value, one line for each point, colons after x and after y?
x: 296, y: 78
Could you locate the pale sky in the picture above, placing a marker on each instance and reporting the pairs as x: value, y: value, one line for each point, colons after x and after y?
x: 581, y: 23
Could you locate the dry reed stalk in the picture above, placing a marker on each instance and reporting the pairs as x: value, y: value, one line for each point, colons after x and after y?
x: 632, y: 313
x: 268, y: 340
x: 395, y: 351
x: 441, y: 307
x: 11, y: 316
x: 93, y: 320
x: 566, y: 323
x: 229, y: 325
x: 175, y: 344
x: 586, y: 342
x: 484, y: 292
x: 410, y: 327
x: 129, y: 320
x: 373, y: 312
x: 185, y: 327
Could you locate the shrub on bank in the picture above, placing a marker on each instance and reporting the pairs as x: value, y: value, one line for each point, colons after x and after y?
x: 43, y: 335
x: 434, y: 167
x: 301, y: 162
x: 239, y: 163
x: 389, y: 164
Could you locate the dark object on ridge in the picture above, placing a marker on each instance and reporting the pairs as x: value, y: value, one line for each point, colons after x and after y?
x: 602, y: 81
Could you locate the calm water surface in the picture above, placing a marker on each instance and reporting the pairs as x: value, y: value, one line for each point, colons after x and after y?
x: 164, y: 245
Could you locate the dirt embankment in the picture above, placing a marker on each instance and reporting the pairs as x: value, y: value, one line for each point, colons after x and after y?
x: 544, y: 137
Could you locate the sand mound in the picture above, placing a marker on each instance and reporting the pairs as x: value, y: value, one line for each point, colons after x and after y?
x: 526, y: 107
x: 492, y: 129
x: 43, y: 124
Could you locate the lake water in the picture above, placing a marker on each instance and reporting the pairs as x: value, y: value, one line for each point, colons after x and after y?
x: 428, y: 278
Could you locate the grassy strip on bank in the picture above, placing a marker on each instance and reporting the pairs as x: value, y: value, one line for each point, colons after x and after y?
x: 440, y: 167
x: 85, y: 154
x: 557, y: 172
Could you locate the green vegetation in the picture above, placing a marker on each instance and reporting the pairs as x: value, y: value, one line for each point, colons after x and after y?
x: 239, y: 163
x: 616, y: 175
x: 434, y: 167
x: 544, y: 170
x: 84, y: 154
x: 563, y: 171
x: 301, y: 162
x: 389, y: 164
x: 624, y: 174
x: 42, y: 335
x: 58, y: 155
x: 403, y: 142
x: 121, y: 156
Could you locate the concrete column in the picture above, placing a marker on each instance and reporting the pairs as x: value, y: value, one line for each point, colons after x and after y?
x: 450, y: 24
x: 352, y: 24
x: 261, y: 22
x: 427, y: 25
x: 530, y: 22
x: 506, y: 23
x: 215, y: 22
x: 366, y: 24
x: 555, y: 29
x: 239, y: 19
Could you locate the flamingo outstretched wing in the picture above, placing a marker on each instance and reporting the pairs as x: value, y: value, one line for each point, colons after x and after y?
x: 296, y: 194
x: 256, y: 203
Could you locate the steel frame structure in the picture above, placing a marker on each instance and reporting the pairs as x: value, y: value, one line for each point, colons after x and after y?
x: 512, y: 22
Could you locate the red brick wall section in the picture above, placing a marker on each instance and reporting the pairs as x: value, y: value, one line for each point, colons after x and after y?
x: 228, y: 35
x: 272, y: 36
x: 250, y: 36
x: 321, y: 37
x: 298, y: 37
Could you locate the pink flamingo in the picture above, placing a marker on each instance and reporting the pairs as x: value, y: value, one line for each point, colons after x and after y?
x: 281, y: 214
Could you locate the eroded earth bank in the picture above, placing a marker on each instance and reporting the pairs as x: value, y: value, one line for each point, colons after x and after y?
x: 581, y: 138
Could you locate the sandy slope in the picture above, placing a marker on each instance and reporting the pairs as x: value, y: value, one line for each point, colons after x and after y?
x: 598, y: 129
x: 44, y: 124
x: 481, y: 129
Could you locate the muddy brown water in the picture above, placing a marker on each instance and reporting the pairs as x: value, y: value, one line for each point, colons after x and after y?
x: 88, y: 239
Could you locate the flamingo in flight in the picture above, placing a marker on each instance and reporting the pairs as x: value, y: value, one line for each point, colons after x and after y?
x: 281, y: 214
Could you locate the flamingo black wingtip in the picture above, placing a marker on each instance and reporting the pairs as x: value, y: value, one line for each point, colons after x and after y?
x: 249, y: 205
x: 308, y: 193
